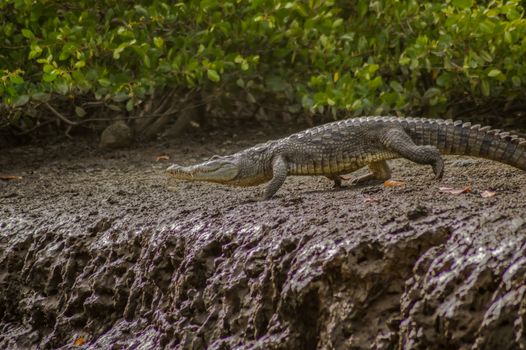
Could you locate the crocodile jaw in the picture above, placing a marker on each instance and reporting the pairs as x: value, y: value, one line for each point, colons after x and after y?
x: 220, y: 171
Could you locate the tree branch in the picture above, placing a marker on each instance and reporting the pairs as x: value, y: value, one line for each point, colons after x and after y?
x: 59, y: 115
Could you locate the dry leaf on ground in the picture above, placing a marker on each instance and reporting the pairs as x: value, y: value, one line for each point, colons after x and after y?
x: 452, y: 190
x: 487, y: 194
x: 392, y: 183
x: 10, y: 177
x: 79, y: 341
x: 163, y: 157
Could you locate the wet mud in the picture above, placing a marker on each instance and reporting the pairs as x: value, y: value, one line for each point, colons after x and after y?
x: 102, y: 250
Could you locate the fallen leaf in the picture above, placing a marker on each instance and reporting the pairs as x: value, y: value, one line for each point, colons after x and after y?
x: 10, y: 177
x: 392, y: 183
x: 487, y: 194
x: 79, y: 341
x: 163, y: 157
x: 452, y: 190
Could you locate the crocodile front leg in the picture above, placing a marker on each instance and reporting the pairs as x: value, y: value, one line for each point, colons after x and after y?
x: 279, y: 174
x: 397, y: 140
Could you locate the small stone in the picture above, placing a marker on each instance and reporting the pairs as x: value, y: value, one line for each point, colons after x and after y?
x: 464, y: 162
x: 417, y: 212
x: 116, y: 135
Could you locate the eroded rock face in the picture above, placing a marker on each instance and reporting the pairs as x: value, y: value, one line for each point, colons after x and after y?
x: 188, y: 286
x: 110, y: 251
x: 470, y: 293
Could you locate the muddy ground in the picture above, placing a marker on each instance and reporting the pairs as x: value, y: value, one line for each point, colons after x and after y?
x: 101, y: 250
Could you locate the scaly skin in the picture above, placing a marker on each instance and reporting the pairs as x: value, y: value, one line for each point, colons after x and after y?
x: 344, y: 146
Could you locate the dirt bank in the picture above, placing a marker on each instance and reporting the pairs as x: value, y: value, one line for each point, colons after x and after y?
x: 102, y: 247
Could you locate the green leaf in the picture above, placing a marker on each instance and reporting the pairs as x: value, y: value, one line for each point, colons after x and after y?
x: 79, y: 111
x: 337, y: 23
x: 158, y: 42
x: 251, y: 98
x: 431, y: 93
x: 404, y: 60
x: 356, y: 105
x: 27, y: 33
x: 307, y: 102
x: 296, y: 108
x: 62, y: 87
x: 485, y: 87
x: 104, y: 82
x: 8, y: 29
x: 66, y: 51
x: 276, y: 83
x: 486, y: 56
x: 35, y: 52
x: 146, y: 60
x: 122, y: 31
x: 388, y: 97
x: 41, y: 97
x: 396, y: 86
x: 16, y: 79
x: 372, y: 68
x: 117, y: 52
x: 48, y: 68
x: 375, y: 83
x: 213, y: 75
x: 120, y: 97
x: 487, y: 27
x: 129, y: 105
x: 444, y: 79
x: 494, y: 73
x: 462, y: 4
x: 49, y: 77
x: 20, y: 100
x: 141, y: 10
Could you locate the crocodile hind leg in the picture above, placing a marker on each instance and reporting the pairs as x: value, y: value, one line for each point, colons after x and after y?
x: 337, y: 180
x: 379, y: 171
x: 279, y: 174
x: 397, y: 140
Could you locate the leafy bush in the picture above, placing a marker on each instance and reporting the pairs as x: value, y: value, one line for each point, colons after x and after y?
x: 77, y: 62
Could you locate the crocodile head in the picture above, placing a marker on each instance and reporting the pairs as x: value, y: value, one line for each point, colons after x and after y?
x: 216, y: 169
x: 239, y: 169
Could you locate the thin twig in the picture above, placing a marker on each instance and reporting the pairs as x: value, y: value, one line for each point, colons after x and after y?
x: 93, y: 103
x: 33, y: 128
x: 59, y: 115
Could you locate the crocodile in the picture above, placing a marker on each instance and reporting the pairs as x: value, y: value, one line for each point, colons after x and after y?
x: 344, y: 146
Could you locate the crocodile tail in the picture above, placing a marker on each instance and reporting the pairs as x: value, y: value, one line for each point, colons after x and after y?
x: 456, y: 137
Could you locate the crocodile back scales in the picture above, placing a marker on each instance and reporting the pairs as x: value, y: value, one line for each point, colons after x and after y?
x: 347, y: 145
